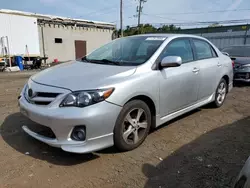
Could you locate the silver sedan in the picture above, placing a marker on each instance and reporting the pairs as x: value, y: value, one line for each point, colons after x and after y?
x: 114, y: 95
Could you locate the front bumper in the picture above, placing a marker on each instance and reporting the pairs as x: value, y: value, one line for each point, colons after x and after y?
x: 242, y: 76
x: 242, y: 80
x: 99, y: 120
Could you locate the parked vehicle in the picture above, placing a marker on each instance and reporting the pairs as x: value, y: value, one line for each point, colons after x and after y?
x: 114, y: 95
x: 243, y: 179
x: 241, y: 57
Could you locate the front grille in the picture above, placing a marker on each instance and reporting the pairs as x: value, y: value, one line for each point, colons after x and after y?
x: 47, y: 95
x: 41, y: 98
x: 41, y: 102
x: 237, y: 65
x: 42, y: 130
x: 241, y: 75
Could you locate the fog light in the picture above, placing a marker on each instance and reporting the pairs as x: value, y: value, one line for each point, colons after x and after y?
x: 78, y: 133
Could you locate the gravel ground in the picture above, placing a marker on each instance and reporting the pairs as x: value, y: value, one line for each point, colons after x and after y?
x: 205, y: 148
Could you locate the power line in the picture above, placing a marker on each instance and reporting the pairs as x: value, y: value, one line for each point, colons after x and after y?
x: 107, y: 10
x: 187, y: 22
x: 104, y: 9
x: 104, y: 13
x: 207, y: 12
x: 166, y: 17
x: 123, y: 19
x: 190, y: 22
x: 205, y: 22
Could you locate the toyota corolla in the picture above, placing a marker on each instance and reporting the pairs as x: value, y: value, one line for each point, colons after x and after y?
x: 117, y: 93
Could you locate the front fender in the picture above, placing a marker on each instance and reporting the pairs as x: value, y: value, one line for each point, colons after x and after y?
x: 146, y: 84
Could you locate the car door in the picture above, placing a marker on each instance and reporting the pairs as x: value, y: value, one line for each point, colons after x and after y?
x: 179, y: 85
x: 210, y: 68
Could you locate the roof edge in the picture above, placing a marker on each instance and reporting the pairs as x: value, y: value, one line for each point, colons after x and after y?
x: 52, y: 17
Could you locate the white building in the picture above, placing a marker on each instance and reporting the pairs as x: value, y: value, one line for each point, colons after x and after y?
x: 61, y: 38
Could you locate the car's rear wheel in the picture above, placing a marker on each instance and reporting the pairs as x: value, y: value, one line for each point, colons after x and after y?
x: 132, y: 125
x: 220, y: 93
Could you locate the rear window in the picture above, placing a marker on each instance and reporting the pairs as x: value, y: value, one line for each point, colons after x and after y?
x: 238, y: 51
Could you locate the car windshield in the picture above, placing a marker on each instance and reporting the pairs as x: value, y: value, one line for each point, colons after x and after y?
x: 238, y: 51
x: 127, y: 51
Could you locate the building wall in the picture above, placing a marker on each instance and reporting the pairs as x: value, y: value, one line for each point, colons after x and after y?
x: 225, y: 39
x: 66, y: 50
x: 21, y: 31
x: 223, y: 36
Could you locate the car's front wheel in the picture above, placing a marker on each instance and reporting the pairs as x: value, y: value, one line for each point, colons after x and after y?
x: 220, y: 93
x: 132, y: 125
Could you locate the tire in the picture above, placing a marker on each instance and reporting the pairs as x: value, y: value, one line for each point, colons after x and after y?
x: 220, y: 95
x: 241, y: 183
x: 128, y: 126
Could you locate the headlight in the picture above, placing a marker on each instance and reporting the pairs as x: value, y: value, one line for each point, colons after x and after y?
x: 24, y: 90
x: 86, y: 98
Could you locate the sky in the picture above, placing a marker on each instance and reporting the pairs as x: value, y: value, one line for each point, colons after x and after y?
x: 154, y: 11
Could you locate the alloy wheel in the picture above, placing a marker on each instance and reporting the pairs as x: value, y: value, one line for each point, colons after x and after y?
x: 134, y: 126
x: 221, y: 93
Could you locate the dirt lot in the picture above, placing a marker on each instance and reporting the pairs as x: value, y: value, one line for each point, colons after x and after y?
x: 205, y: 148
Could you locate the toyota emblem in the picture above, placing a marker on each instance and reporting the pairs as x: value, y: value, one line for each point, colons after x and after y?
x: 31, y: 94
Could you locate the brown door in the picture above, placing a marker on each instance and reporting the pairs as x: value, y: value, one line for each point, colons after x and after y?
x: 80, y: 48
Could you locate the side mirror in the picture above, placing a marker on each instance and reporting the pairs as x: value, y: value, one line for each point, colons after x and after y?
x: 225, y: 53
x: 171, y: 61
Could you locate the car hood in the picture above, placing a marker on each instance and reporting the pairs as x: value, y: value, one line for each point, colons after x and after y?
x: 241, y: 60
x: 77, y: 75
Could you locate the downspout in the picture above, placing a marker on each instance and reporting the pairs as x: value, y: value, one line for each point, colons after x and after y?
x: 43, y: 45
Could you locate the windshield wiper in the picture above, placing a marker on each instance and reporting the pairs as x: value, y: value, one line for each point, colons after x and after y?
x: 110, y: 62
x: 85, y: 59
x: 101, y: 61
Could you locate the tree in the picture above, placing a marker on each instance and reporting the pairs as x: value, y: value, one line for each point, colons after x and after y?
x: 168, y: 29
x: 147, y: 28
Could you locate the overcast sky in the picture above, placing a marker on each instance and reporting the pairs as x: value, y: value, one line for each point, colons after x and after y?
x: 155, y: 11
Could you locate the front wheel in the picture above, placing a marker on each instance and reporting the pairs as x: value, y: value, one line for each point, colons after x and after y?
x: 132, y: 125
x: 220, y: 93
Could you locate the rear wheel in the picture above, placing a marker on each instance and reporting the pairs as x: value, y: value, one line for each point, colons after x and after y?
x: 132, y: 125
x: 220, y: 93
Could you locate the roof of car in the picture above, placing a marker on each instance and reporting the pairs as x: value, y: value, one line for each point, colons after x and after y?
x: 169, y: 35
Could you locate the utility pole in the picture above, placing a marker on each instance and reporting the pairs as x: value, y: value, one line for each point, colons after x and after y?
x: 121, y: 17
x: 139, y: 11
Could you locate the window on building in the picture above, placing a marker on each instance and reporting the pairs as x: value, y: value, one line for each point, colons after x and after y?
x: 58, y: 40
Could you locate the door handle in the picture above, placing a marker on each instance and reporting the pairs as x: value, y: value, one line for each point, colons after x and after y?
x: 218, y: 64
x: 195, y: 70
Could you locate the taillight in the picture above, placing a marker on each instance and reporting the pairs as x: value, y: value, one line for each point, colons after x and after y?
x: 233, y: 64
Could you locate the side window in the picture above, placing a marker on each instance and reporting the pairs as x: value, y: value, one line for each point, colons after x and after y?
x: 179, y: 47
x: 203, y: 49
